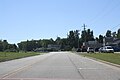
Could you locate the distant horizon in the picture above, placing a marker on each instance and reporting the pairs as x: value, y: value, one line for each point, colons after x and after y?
x: 54, y: 38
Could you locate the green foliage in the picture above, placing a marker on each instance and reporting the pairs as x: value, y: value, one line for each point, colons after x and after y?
x: 64, y: 44
x: 58, y: 41
x: 108, y: 33
x: 73, y: 39
x: 87, y: 35
x: 1, y: 46
x: 118, y: 33
x: 5, y: 46
x: 46, y: 42
x: 33, y: 44
x: 114, y: 35
x: 100, y: 39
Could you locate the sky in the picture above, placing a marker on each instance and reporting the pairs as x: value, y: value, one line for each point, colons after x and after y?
x: 22, y: 20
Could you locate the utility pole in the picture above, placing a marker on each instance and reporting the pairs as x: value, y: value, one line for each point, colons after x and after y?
x: 104, y: 41
x: 78, y: 39
x: 84, y: 26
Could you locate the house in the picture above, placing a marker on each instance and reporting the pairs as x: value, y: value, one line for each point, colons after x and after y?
x: 107, y: 41
x: 110, y: 41
x: 93, y: 44
x: 54, y: 47
x: 116, y: 42
x: 51, y: 47
x: 40, y: 49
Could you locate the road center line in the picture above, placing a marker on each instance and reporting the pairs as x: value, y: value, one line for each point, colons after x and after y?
x: 22, y: 68
x: 75, y: 67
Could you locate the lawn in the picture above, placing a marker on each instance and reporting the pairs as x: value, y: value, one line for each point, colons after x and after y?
x: 5, y: 56
x: 110, y: 57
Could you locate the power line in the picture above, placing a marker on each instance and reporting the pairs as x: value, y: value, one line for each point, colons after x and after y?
x: 105, y: 13
x: 84, y: 26
x: 100, y: 12
x: 115, y: 26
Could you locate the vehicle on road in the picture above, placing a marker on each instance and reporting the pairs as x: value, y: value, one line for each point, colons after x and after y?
x: 89, y: 49
x: 106, y: 49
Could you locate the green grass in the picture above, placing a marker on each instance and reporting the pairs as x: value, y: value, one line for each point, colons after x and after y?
x: 6, y: 56
x: 110, y: 57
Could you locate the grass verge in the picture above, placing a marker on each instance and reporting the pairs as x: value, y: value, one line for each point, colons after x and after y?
x: 6, y: 56
x: 109, y: 57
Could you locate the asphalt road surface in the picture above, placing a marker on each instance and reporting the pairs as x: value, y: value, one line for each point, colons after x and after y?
x: 57, y: 66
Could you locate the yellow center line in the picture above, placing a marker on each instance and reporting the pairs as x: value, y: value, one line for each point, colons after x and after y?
x: 18, y: 70
x: 22, y: 68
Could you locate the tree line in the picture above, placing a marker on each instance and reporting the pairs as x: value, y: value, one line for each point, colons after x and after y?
x: 5, y: 46
x: 73, y: 40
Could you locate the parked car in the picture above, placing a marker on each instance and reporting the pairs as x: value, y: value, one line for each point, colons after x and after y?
x: 106, y: 49
x: 83, y: 49
x: 96, y: 49
x: 78, y: 50
x: 89, y: 49
x: 100, y: 50
x: 116, y: 49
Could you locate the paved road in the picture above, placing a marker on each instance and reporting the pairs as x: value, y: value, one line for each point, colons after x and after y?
x: 57, y: 66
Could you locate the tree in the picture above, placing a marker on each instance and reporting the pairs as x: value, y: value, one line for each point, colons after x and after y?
x: 108, y: 33
x: 91, y: 36
x: 58, y: 41
x: 23, y: 46
x: 87, y: 35
x: 38, y: 43
x: 64, y: 44
x: 1, y: 45
x: 83, y: 36
x: 76, y: 34
x: 97, y: 39
x: 73, y: 38
x: 118, y: 33
x: 51, y: 41
x: 46, y: 42
x: 11, y: 48
x: 114, y: 35
x: 5, y: 44
x: 100, y: 39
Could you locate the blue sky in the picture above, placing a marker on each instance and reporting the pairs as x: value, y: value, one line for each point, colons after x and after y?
x: 44, y: 19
